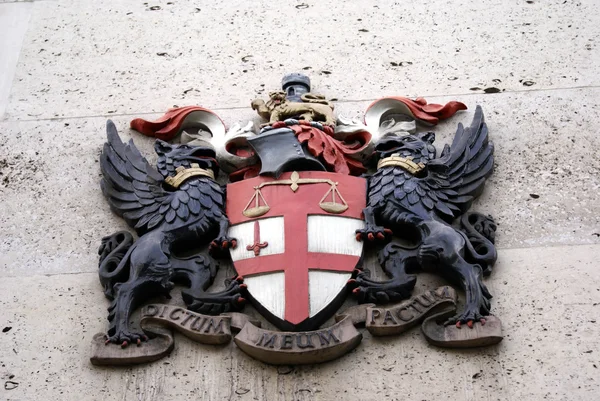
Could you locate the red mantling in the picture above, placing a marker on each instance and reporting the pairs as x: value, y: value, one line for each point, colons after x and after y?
x: 169, y: 125
x: 427, y: 113
x: 334, y: 153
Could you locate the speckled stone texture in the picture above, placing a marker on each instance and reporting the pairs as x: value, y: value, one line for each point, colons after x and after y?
x: 83, y: 58
x: 69, y: 65
x: 14, y: 19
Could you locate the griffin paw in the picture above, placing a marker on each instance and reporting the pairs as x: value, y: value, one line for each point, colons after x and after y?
x: 218, y: 302
x: 222, y: 243
x: 126, y: 337
x: 368, y: 290
x: 373, y: 233
x: 468, y: 317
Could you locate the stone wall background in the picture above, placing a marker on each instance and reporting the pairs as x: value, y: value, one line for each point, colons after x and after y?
x: 66, y: 66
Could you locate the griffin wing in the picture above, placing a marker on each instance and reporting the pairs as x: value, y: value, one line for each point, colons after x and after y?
x: 133, y: 188
x: 458, y: 176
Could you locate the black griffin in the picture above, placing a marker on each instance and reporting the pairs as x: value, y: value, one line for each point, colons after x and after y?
x: 420, y: 207
x: 168, y: 221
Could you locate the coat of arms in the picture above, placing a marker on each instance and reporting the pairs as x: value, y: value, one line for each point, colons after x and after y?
x: 294, y: 205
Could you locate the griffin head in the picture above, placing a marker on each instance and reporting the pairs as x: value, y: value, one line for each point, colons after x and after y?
x: 172, y: 156
x: 418, y: 146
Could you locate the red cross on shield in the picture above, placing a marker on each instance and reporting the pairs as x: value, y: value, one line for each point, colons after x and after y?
x: 296, y: 243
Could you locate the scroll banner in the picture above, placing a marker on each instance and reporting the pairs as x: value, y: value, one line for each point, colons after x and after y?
x: 200, y: 328
x: 272, y: 347
x: 298, y: 348
x: 400, y: 318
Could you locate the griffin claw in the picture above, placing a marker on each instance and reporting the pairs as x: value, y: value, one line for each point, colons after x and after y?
x: 470, y: 323
x: 373, y: 233
x: 222, y: 243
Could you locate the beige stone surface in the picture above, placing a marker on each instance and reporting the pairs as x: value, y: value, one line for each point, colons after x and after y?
x: 84, y: 58
x: 547, y: 302
x: 14, y: 20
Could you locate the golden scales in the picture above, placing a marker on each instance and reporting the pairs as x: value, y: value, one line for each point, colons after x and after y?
x: 294, y: 182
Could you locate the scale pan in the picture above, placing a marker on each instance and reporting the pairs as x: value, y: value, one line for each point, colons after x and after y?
x: 333, y: 207
x: 256, y: 211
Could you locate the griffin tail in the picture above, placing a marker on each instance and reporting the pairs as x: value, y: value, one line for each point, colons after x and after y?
x: 114, y: 260
x: 480, y: 230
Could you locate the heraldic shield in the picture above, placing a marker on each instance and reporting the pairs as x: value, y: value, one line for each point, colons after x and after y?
x: 296, y: 243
